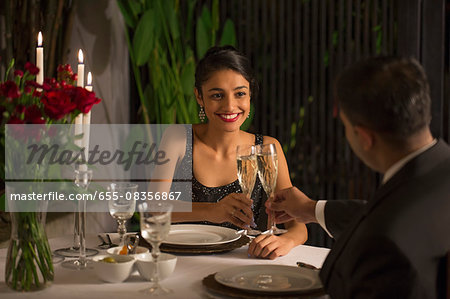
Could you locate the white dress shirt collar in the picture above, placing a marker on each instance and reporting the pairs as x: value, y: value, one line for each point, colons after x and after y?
x: 399, y: 164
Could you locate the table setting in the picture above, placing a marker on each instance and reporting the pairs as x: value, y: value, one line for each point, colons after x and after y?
x: 190, y: 277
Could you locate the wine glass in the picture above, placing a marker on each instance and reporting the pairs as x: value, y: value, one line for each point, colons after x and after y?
x: 83, y: 178
x: 155, y: 220
x: 122, y: 205
x: 267, y: 160
x: 247, y: 170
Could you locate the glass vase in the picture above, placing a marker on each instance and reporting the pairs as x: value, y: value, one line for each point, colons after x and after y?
x: 29, y: 264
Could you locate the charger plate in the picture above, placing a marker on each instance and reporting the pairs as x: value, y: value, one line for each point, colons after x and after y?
x: 211, y: 285
x: 268, y: 279
x: 205, y: 249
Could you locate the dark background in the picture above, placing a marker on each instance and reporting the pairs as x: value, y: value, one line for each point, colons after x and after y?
x: 298, y: 46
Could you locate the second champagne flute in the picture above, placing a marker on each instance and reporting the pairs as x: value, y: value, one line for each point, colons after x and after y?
x: 267, y: 159
x: 247, y: 170
x: 122, y: 205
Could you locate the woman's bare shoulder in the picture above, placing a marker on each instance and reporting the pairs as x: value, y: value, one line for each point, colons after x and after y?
x: 270, y: 139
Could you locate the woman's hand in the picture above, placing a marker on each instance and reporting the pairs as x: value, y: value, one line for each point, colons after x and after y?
x: 270, y: 246
x: 235, y: 208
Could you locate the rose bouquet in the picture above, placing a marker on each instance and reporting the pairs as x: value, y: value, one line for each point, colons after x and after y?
x: 23, y: 101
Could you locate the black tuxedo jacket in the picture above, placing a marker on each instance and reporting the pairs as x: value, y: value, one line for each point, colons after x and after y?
x: 395, y: 245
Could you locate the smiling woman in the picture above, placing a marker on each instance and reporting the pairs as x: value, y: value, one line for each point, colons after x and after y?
x: 225, y: 98
x: 224, y: 88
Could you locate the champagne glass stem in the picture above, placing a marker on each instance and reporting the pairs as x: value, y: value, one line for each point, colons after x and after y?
x: 270, y: 220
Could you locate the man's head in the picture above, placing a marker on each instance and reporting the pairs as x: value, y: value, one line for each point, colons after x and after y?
x: 383, y: 96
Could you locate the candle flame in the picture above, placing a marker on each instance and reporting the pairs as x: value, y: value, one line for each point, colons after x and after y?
x: 40, y: 39
x: 80, y: 56
x: 89, y: 79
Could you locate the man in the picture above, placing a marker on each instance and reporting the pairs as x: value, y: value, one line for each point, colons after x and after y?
x: 394, y: 245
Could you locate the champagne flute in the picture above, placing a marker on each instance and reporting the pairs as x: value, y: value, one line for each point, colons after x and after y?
x: 267, y: 160
x: 122, y: 205
x: 247, y: 170
x: 155, y: 226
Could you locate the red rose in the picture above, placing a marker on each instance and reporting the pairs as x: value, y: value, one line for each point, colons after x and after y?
x: 31, y: 68
x: 18, y: 73
x: 65, y: 73
x: 48, y: 87
x: 33, y: 115
x: 68, y: 68
x: 9, y: 89
x: 84, y: 99
x: 64, y: 68
x: 57, y: 104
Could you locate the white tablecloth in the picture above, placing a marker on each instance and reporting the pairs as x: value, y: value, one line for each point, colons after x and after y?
x: 185, y: 281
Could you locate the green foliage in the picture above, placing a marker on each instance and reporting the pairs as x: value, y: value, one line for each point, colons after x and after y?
x: 164, y: 52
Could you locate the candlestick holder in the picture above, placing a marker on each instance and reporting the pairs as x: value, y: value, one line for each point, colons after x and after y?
x: 82, y: 180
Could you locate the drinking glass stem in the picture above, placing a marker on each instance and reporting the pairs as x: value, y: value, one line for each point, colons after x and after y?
x: 253, y: 224
x: 271, y: 223
x: 121, y: 229
x: 155, y: 255
x: 82, y: 231
x: 76, y: 231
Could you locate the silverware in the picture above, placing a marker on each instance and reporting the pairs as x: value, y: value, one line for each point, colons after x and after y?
x: 308, y: 266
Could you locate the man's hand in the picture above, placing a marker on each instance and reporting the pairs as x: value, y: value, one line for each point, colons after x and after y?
x: 292, y: 204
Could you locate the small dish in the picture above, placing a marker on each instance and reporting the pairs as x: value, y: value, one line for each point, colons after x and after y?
x: 146, y: 266
x: 116, y: 250
x: 113, y: 272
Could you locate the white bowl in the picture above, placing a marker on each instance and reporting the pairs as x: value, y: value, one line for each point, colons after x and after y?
x: 113, y: 272
x: 146, y: 266
x: 116, y: 250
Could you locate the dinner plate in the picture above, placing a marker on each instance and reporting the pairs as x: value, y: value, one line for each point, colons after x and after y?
x: 270, y: 279
x: 200, y: 234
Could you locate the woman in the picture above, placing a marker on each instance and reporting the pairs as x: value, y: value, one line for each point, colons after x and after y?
x: 224, y: 84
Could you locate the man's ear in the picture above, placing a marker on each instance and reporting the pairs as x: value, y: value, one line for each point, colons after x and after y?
x: 365, y: 136
x: 198, y: 97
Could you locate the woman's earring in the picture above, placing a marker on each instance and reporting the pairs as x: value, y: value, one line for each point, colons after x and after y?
x: 248, y: 115
x: 201, y: 114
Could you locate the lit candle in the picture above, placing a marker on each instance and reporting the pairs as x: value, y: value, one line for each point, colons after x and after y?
x: 80, y: 80
x: 40, y: 60
x: 89, y: 82
x: 80, y: 83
